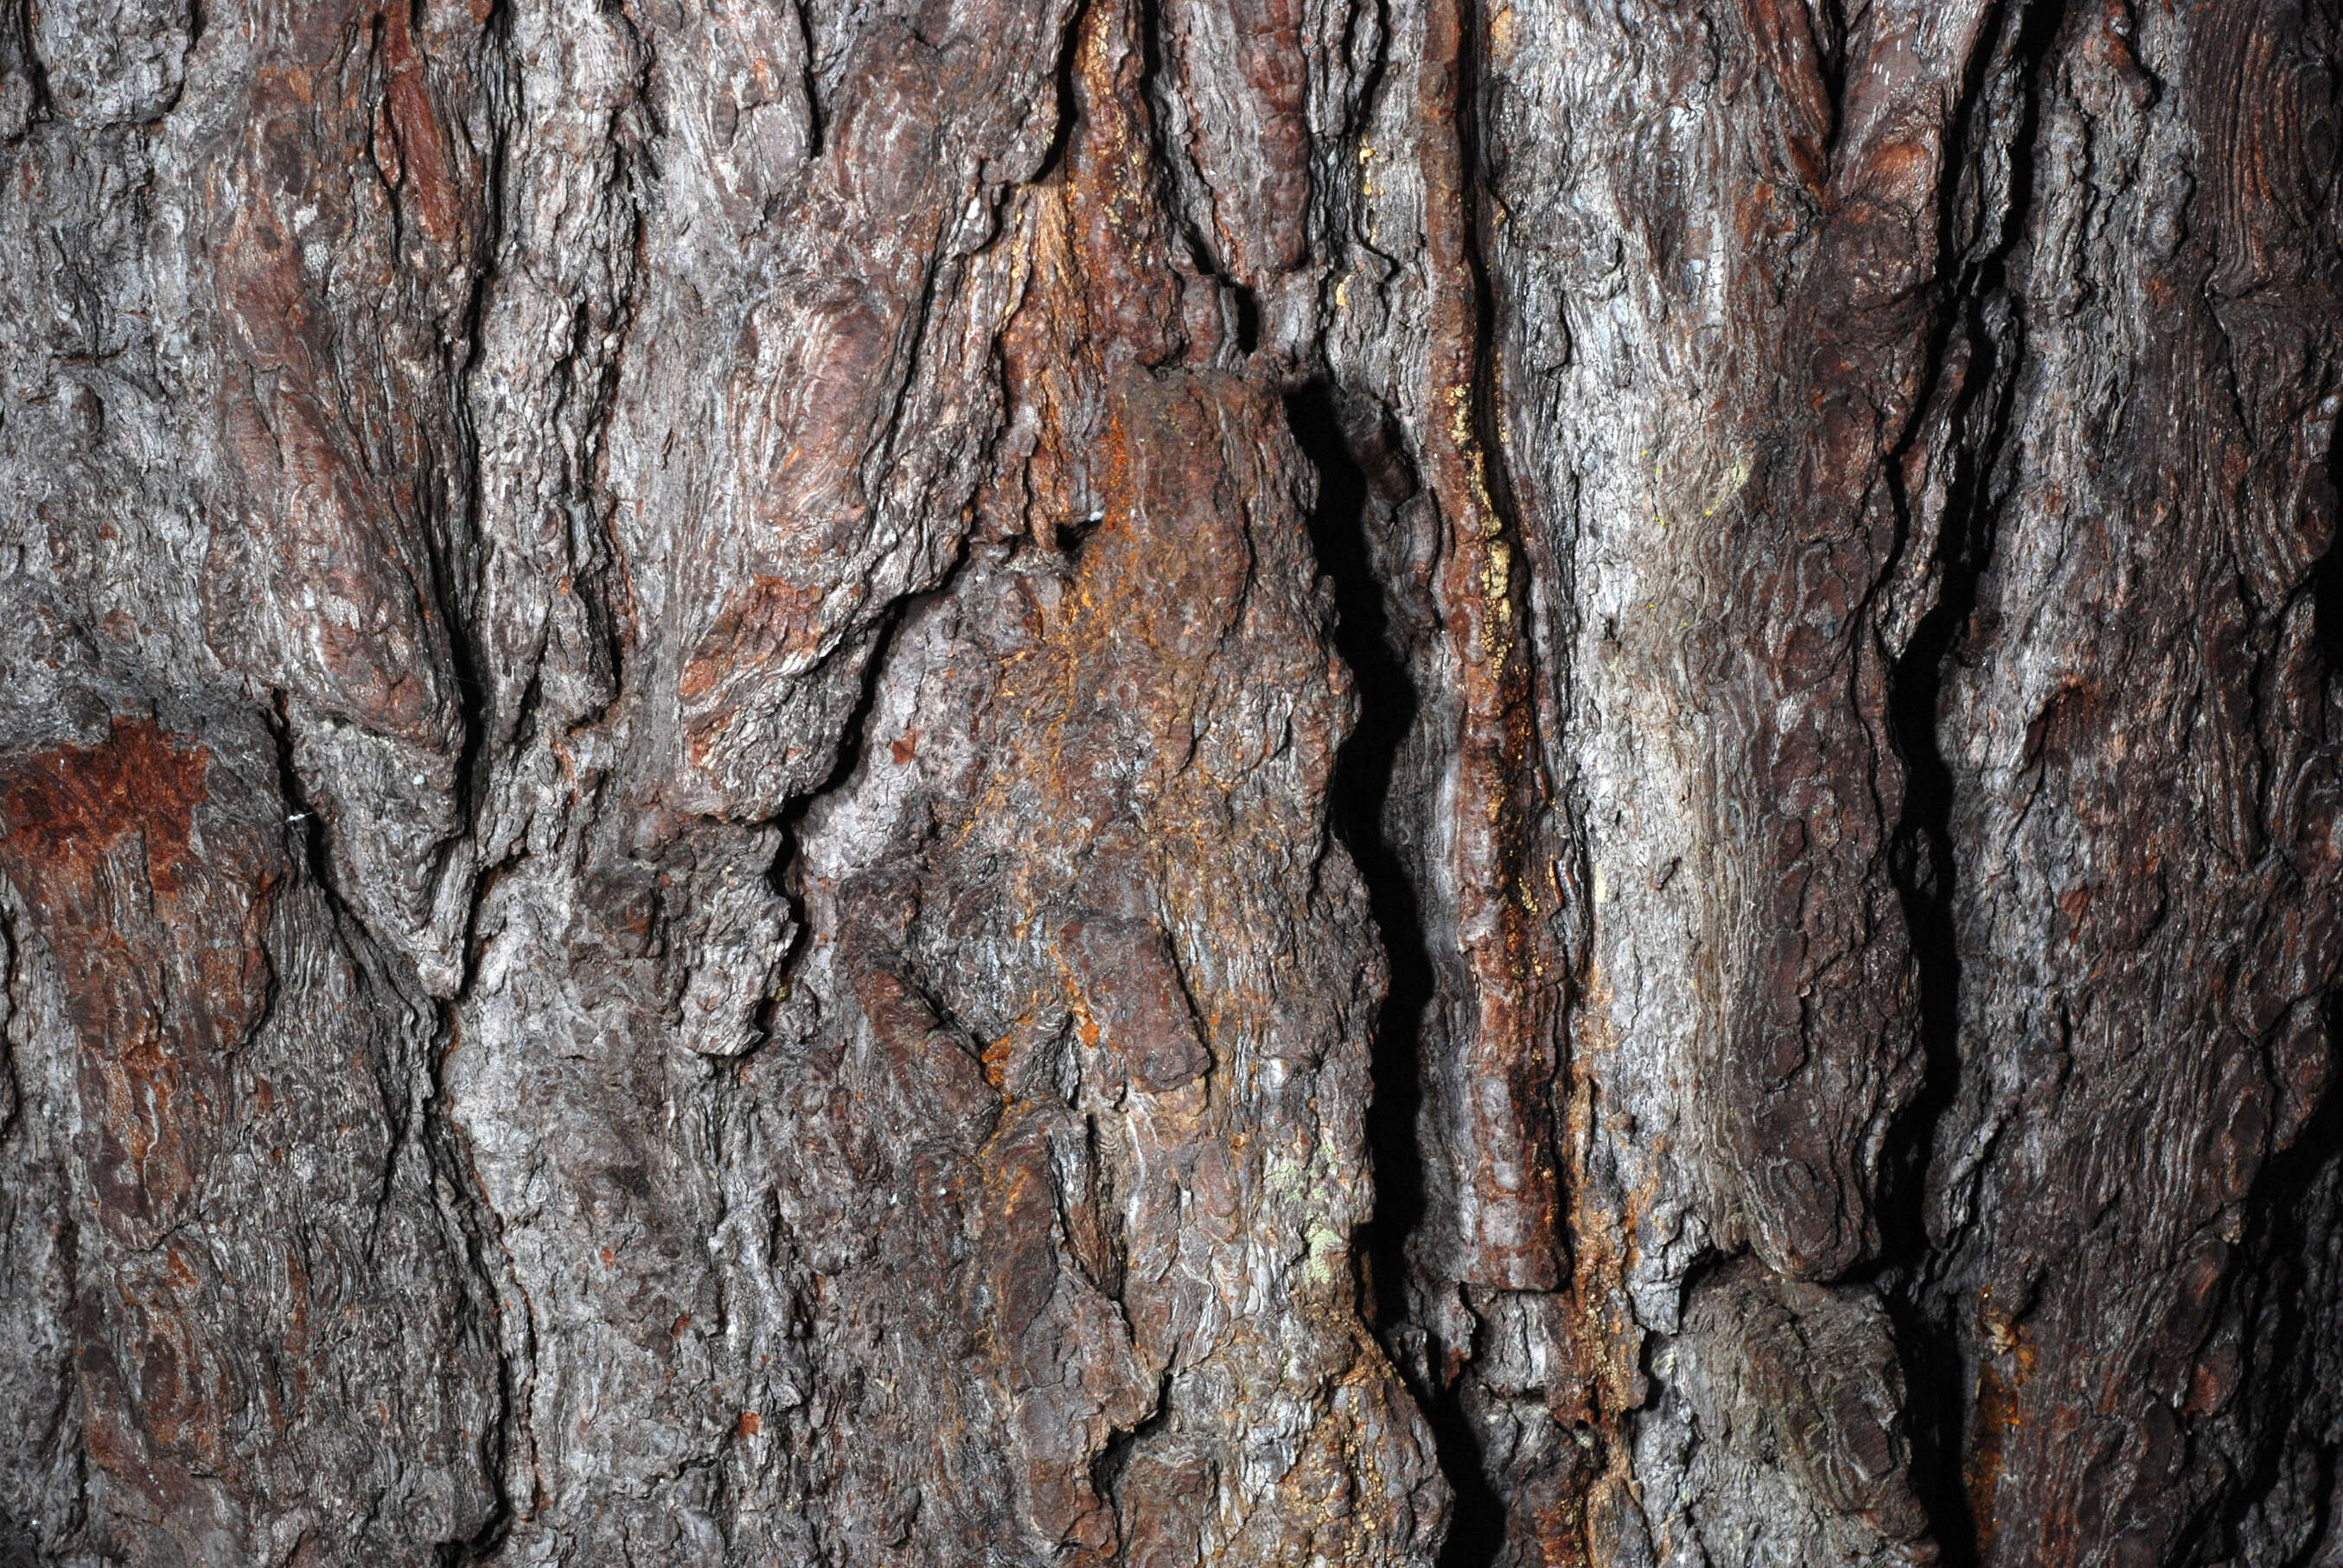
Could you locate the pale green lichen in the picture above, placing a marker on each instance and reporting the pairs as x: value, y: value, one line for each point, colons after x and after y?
x: 1327, y: 1247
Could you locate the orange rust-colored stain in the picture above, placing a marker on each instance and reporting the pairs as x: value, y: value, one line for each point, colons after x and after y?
x: 1512, y: 1208
x: 1996, y: 1420
x: 1996, y: 1417
x: 995, y: 1058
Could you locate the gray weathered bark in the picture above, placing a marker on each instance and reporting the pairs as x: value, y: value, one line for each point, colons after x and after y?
x: 1157, y: 781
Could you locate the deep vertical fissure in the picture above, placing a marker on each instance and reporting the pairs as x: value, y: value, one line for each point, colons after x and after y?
x: 2296, y: 1193
x: 2299, y: 1187
x: 444, y: 1143
x: 1240, y: 304
x: 477, y: 1221
x: 462, y: 535
x: 1482, y: 1522
x: 1928, y: 1346
x: 1980, y: 313
x: 301, y: 815
x: 11, y: 1095
x: 1358, y: 802
x: 1068, y: 101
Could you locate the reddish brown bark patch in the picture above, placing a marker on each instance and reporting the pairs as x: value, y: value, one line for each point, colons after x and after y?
x: 153, y: 917
x: 150, y: 898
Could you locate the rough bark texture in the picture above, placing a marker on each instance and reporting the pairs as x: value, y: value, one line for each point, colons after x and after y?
x: 1170, y: 781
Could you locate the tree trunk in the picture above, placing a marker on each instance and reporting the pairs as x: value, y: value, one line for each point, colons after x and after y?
x: 1167, y: 781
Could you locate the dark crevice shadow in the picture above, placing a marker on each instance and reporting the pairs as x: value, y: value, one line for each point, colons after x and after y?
x: 1357, y: 798
x: 2293, y: 1201
x: 1979, y: 311
x: 874, y: 647
x: 1924, y: 869
x: 1247, y: 307
x: 1476, y: 1525
x: 1069, y: 100
x: 1112, y: 1462
x: 2298, y: 1193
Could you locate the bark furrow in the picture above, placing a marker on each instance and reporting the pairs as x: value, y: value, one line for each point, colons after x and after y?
x: 1162, y: 781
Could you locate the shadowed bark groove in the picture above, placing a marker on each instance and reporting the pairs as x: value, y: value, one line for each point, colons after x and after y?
x: 1980, y: 329
x: 1170, y: 781
x: 1357, y: 797
x: 1359, y: 801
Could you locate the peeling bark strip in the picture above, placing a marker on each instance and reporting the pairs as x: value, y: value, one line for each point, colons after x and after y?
x: 1168, y: 782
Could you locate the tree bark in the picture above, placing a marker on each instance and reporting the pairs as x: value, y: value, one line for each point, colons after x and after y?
x: 1164, y: 781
